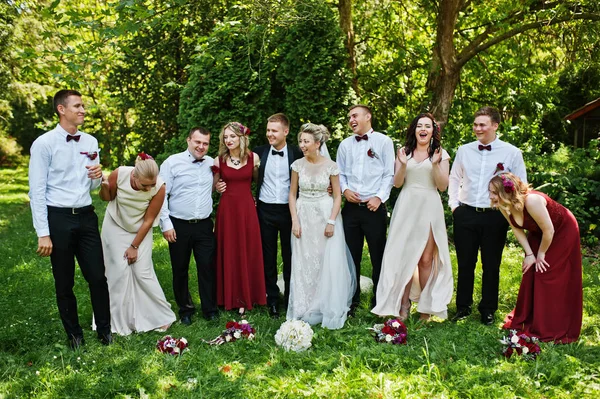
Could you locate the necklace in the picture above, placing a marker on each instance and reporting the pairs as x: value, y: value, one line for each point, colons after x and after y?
x: 235, y: 162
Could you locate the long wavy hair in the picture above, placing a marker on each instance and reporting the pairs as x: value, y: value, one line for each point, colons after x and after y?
x: 242, y: 132
x: 411, y: 140
x: 511, y: 191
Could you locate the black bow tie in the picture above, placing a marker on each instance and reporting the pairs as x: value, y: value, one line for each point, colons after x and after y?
x: 363, y: 137
x: 198, y: 160
x: 280, y: 153
x: 76, y: 138
x: 485, y: 147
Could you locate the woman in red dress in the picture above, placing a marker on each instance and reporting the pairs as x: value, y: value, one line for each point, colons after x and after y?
x: 550, y: 301
x: 239, y: 261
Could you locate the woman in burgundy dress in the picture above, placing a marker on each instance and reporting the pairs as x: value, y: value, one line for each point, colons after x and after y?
x: 239, y: 261
x: 550, y: 301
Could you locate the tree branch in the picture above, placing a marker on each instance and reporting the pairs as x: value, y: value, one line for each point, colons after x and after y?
x: 470, y: 51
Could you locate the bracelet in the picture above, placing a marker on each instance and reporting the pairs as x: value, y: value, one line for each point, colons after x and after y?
x: 134, y: 247
x: 331, y: 222
x: 531, y: 254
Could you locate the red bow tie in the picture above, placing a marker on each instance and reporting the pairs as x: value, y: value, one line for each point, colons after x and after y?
x: 363, y: 137
x: 485, y: 147
x: 76, y: 138
x: 198, y: 160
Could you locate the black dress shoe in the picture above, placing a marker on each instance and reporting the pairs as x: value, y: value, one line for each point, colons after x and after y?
x: 352, y: 311
x: 211, y: 316
x: 105, y: 339
x: 273, y: 311
x: 186, y: 320
x: 487, y: 319
x: 75, y: 342
x: 461, y: 313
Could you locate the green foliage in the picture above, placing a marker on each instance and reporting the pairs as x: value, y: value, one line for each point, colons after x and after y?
x: 441, y: 359
x: 254, y: 65
x: 572, y: 177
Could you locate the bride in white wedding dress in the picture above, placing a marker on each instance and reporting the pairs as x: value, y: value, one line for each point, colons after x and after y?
x: 323, y: 277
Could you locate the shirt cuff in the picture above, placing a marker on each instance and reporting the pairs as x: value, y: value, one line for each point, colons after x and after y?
x: 43, y: 232
x: 166, y: 225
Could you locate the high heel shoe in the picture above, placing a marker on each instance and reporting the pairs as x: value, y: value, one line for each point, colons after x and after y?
x: 405, y: 310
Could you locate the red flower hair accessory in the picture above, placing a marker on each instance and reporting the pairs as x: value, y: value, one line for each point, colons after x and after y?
x: 144, y: 157
x: 509, y: 186
x: 245, y: 130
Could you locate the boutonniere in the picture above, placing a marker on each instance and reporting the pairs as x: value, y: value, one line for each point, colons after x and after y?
x: 214, y: 169
x: 372, y: 154
x: 91, y: 155
x: 499, y: 167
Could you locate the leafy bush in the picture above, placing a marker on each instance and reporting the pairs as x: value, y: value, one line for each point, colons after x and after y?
x: 10, y: 151
x: 572, y: 177
x: 253, y: 66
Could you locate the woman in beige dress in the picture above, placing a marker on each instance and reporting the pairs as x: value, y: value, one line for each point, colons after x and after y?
x: 416, y: 262
x: 136, y: 194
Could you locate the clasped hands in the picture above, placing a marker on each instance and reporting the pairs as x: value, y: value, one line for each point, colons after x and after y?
x: 373, y: 203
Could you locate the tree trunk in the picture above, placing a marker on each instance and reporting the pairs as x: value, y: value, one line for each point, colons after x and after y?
x: 345, y: 10
x: 444, y: 73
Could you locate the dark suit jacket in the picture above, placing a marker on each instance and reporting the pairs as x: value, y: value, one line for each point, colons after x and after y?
x: 262, y: 151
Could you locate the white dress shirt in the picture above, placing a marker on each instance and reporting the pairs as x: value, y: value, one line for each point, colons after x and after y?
x: 57, y: 174
x: 473, y: 169
x: 188, y: 188
x: 369, y: 176
x: 275, y: 188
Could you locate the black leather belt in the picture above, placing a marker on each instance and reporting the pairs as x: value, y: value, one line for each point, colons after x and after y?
x: 71, y: 211
x: 476, y: 209
x: 190, y: 221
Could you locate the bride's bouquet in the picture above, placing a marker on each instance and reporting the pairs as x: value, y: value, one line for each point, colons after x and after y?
x: 295, y: 335
x: 393, y: 331
x: 522, y: 344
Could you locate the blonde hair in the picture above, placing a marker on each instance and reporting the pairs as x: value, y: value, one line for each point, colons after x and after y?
x: 145, y: 168
x: 242, y: 132
x: 319, y: 132
x: 511, y: 190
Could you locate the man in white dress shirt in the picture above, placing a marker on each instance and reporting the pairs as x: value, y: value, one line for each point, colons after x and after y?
x: 477, y: 225
x: 366, y: 163
x: 272, y: 191
x: 186, y: 224
x: 63, y: 168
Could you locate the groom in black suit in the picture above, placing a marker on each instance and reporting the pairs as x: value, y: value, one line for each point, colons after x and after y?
x: 273, y: 188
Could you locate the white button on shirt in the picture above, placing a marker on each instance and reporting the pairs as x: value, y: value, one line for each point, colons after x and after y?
x: 188, y: 188
x: 369, y: 176
x: 275, y: 188
x: 58, y: 174
x: 473, y: 169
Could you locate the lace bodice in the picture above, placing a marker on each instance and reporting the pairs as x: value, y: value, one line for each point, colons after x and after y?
x: 313, y: 179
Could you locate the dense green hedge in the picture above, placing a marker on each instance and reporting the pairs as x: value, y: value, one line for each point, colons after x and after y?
x: 250, y: 68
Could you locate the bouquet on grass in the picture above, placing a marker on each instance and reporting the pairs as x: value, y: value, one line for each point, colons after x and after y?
x: 294, y: 335
x: 393, y: 331
x: 172, y: 346
x: 522, y: 344
x: 233, y: 331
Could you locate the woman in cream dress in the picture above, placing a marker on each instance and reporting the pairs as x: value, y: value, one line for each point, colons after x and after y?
x: 137, y: 302
x: 416, y: 263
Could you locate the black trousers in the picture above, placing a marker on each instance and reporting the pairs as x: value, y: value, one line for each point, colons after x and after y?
x: 361, y: 223
x: 193, y: 236
x: 77, y: 236
x: 275, y: 220
x: 474, y: 231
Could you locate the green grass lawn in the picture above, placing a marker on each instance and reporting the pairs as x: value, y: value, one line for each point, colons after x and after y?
x: 441, y: 359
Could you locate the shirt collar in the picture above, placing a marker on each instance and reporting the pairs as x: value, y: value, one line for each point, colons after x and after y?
x: 64, y: 133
